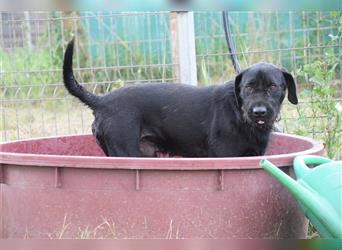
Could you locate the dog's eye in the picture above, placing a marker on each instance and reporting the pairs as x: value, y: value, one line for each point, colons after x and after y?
x: 273, y: 87
x: 249, y: 89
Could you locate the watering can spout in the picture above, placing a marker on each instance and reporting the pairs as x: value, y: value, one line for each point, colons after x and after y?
x: 323, y: 211
x: 299, y: 191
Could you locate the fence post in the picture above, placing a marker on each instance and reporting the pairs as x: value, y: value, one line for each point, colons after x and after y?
x: 182, y: 35
x: 27, y: 30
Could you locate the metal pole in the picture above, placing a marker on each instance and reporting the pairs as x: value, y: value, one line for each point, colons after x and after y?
x: 182, y: 36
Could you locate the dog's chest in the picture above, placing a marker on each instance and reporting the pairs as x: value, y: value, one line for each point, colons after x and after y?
x: 255, y: 144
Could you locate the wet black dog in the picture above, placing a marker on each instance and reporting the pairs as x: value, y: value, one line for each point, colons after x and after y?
x: 234, y: 119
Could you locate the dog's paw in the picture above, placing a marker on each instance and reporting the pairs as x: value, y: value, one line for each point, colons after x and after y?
x: 167, y: 155
x: 163, y: 155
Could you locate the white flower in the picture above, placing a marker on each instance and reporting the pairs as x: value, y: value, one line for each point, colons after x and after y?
x: 338, y: 107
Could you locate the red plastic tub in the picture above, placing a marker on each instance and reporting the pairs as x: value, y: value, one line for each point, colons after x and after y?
x: 64, y: 187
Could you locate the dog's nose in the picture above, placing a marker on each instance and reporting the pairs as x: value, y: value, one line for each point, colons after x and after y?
x: 259, y: 111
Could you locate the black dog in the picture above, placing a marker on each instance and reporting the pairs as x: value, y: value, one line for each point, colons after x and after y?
x: 234, y: 119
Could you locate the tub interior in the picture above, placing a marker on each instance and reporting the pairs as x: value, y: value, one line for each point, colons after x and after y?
x: 85, y: 145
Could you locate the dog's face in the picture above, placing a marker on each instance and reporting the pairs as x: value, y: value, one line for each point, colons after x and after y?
x: 260, y: 90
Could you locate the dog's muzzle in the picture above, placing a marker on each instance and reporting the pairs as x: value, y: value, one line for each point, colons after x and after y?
x: 261, y: 115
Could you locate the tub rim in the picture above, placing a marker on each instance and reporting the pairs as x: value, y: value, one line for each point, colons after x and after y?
x: 136, y: 163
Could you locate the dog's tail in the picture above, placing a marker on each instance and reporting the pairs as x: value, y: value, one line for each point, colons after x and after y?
x: 71, y: 84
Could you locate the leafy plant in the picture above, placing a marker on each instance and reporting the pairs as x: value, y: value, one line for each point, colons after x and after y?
x: 323, y: 108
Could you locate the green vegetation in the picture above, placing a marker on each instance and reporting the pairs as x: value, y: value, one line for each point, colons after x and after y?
x: 320, y: 114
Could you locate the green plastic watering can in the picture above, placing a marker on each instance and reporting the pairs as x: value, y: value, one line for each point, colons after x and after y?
x: 318, y: 191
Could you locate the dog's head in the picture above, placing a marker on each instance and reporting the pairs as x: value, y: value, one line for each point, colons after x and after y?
x: 260, y: 90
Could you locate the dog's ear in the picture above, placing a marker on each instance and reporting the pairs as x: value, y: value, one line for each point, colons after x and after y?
x: 237, y: 88
x: 291, y: 87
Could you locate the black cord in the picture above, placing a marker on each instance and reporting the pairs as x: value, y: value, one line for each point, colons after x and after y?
x: 230, y: 42
x: 231, y: 48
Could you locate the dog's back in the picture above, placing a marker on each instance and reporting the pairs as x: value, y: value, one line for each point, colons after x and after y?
x: 233, y: 119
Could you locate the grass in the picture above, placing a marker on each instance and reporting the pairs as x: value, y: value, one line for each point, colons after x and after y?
x: 126, y: 55
x: 49, y: 118
x: 106, y: 229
